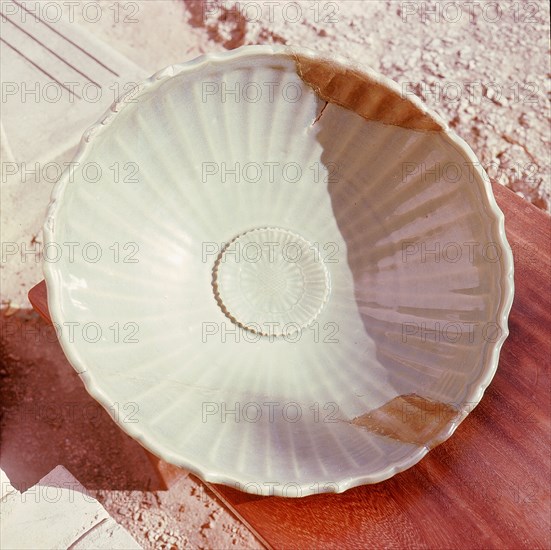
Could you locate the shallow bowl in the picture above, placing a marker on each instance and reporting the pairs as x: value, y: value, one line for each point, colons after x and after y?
x: 277, y: 271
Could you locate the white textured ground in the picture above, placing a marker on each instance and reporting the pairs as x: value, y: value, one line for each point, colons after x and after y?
x: 484, y: 69
x: 483, y: 66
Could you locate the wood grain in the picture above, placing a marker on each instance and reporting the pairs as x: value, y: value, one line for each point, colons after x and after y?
x: 488, y: 486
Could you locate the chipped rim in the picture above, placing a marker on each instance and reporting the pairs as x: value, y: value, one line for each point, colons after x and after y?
x: 474, y: 390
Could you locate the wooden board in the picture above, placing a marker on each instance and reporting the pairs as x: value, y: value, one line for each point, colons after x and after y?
x: 488, y: 486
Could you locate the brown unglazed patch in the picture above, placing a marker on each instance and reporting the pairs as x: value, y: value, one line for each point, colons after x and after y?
x: 358, y: 92
x: 409, y: 419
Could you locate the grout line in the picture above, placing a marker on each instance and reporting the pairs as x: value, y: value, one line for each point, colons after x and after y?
x: 50, y: 50
x: 38, y: 67
x: 67, y: 39
x: 81, y: 537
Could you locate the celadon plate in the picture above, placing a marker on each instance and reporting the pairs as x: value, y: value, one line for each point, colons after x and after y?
x: 285, y: 275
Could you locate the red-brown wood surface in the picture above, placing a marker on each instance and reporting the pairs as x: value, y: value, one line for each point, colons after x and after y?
x: 488, y: 486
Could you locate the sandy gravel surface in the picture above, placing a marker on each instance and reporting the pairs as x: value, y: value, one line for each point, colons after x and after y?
x: 483, y: 66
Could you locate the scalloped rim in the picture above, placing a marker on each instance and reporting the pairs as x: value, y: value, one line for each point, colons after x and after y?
x: 53, y: 276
